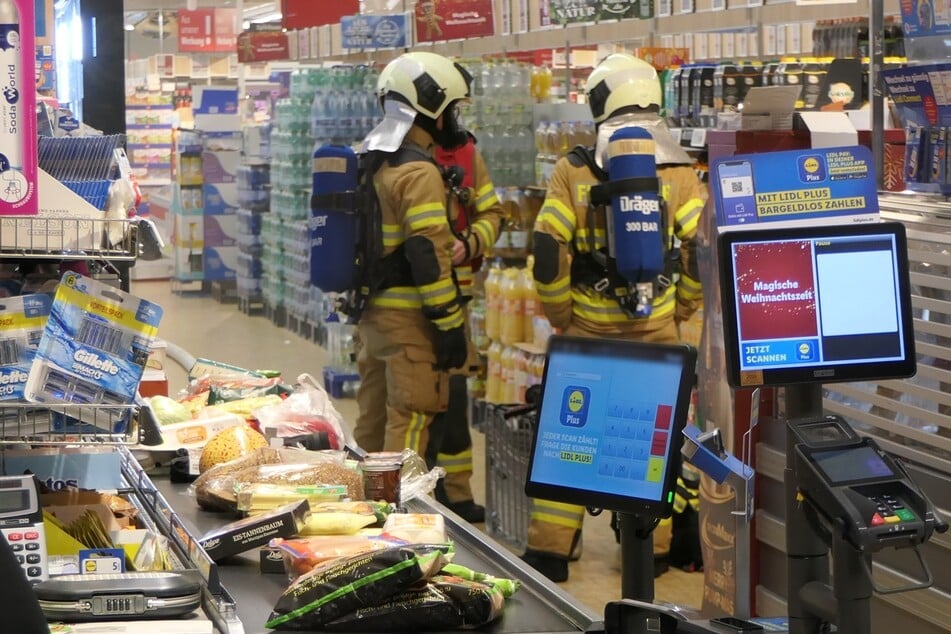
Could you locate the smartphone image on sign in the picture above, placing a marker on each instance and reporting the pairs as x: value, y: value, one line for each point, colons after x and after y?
x: 737, y: 197
x: 736, y: 625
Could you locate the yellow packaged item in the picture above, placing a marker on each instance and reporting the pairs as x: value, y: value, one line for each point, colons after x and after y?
x: 416, y: 528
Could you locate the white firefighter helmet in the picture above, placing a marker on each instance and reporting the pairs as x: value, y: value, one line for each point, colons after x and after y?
x: 428, y: 82
x: 621, y: 81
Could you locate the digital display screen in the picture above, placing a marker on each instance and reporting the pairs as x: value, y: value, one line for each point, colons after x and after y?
x: 14, y: 500
x: 842, y: 466
x: 610, y: 418
x: 817, y: 304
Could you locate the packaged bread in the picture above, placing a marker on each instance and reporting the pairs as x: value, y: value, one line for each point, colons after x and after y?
x: 214, y: 489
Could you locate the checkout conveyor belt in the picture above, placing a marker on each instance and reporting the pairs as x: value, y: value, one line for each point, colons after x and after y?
x: 538, y: 606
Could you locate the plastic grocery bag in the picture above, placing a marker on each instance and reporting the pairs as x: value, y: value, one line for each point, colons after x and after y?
x: 308, y: 410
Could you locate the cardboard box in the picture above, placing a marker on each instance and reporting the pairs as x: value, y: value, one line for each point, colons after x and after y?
x: 19, y: 195
x: 769, y: 108
x: 220, y: 166
x: 272, y: 561
x: 220, y: 263
x: 252, y: 532
x: 67, y: 468
x: 220, y: 198
x: 221, y: 231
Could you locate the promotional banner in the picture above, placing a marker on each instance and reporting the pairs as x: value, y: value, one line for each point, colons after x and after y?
x: 207, y: 30
x: 920, y: 93
x: 816, y: 186
x: 921, y: 18
x: 301, y: 14
x: 576, y: 11
x: 376, y: 31
x: 438, y: 20
x: 262, y: 46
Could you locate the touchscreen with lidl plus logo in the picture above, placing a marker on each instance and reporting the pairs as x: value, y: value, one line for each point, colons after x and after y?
x: 608, y: 419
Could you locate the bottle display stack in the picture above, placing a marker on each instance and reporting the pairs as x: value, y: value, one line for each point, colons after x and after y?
x: 501, y: 118
x: 284, y: 231
x: 254, y: 195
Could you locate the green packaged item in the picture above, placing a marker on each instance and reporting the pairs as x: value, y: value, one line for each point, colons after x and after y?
x: 342, y: 586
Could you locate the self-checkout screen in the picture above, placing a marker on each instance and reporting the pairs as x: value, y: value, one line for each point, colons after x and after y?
x: 818, y: 303
x: 610, y: 419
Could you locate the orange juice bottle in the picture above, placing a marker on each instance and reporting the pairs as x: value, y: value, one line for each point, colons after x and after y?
x: 507, y: 391
x: 537, y: 369
x: 530, y: 303
x: 493, y: 303
x: 511, y: 313
x: 493, y: 376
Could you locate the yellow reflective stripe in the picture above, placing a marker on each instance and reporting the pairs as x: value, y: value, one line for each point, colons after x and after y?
x: 442, y: 292
x: 567, y: 515
x: 488, y: 200
x: 558, y: 215
x: 464, y: 275
x: 688, y: 217
x: 454, y: 320
x: 486, y: 189
x: 392, y: 235
x: 455, y: 463
x: 606, y: 310
x: 428, y: 215
x: 485, y: 230
x: 417, y: 423
x: 689, y: 287
x: 398, y: 297
x: 557, y: 291
x: 581, y: 239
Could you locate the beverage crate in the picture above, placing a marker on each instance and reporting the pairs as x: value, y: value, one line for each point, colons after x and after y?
x: 508, y: 445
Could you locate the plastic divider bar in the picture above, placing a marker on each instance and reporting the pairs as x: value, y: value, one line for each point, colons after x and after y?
x: 217, y: 602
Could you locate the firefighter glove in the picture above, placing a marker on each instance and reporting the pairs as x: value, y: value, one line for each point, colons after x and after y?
x: 452, y: 349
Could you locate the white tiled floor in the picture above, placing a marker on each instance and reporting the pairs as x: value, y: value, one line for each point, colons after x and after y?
x: 205, y: 328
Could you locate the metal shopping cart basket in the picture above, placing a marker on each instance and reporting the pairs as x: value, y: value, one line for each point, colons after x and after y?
x: 508, y: 444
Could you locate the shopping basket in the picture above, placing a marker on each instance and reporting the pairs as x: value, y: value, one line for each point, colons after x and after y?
x: 508, y: 444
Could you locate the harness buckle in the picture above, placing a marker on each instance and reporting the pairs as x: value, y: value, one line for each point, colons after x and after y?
x: 663, y: 281
x: 602, y: 285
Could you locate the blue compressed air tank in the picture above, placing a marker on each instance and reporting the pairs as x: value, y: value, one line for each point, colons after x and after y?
x: 334, y: 219
x: 635, y: 223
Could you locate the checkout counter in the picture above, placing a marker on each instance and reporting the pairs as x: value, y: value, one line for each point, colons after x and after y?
x: 240, y: 597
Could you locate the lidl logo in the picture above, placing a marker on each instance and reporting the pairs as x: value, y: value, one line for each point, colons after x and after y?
x: 811, y: 169
x: 574, y: 406
x: 806, y: 351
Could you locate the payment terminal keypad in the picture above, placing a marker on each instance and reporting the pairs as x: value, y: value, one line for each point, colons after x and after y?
x: 890, y: 510
x: 29, y: 546
x: 635, y: 441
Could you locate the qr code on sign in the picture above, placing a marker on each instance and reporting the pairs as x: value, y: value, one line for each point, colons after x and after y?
x: 736, y: 187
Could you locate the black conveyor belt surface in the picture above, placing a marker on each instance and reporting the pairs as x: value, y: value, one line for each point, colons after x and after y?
x: 538, y: 607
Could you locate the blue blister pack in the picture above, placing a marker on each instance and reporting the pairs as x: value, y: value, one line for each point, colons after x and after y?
x: 95, y: 345
x: 22, y: 321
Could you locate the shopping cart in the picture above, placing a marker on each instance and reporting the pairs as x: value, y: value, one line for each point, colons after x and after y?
x: 508, y: 444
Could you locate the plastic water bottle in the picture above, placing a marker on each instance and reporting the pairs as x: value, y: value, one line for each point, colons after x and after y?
x: 319, y: 106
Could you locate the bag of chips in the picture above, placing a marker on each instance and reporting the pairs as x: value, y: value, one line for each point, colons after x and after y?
x: 341, y: 586
x: 445, y: 603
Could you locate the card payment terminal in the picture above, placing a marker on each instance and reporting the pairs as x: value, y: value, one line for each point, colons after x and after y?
x: 21, y: 522
x: 857, y: 486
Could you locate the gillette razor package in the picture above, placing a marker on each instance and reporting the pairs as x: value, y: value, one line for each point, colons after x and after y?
x: 22, y: 320
x: 95, y: 345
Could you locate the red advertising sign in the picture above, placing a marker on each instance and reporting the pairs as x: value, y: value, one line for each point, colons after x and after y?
x: 207, y: 30
x: 301, y: 14
x: 262, y: 46
x: 438, y: 20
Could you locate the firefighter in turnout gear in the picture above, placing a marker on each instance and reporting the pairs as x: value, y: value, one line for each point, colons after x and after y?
x: 412, y: 330
x: 622, y: 91
x: 476, y: 215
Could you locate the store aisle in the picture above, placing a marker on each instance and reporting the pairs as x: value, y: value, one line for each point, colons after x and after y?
x: 206, y: 328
